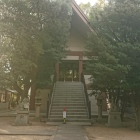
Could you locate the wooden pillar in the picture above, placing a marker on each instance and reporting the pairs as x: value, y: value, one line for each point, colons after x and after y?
x: 57, y: 71
x: 80, y: 66
x: 32, y: 97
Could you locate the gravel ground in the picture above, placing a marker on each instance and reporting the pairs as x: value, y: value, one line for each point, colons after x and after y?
x: 95, y: 132
x: 23, y: 137
x: 7, y: 123
x: 101, y: 132
x: 6, y: 126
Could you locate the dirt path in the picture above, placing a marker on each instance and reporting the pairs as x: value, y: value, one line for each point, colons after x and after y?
x: 23, y: 137
x: 95, y: 132
x: 101, y: 132
x: 6, y: 126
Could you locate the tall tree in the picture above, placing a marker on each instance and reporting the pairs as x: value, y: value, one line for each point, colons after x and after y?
x: 30, y: 29
x: 118, y: 24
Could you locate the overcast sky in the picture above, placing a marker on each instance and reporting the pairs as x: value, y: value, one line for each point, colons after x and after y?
x: 86, y: 1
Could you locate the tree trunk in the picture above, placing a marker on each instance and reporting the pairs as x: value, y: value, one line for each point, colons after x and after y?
x: 19, y: 90
x: 122, y: 111
x: 138, y: 117
x: 26, y: 90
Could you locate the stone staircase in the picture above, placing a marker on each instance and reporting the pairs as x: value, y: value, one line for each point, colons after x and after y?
x: 70, y: 95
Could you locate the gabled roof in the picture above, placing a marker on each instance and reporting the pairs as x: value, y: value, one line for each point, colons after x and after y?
x: 80, y: 15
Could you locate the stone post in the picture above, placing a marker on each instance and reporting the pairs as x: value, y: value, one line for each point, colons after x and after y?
x: 99, y: 104
x: 22, y: 117
x: 0, y: 97
x: 37, y: 105
x: 99, y: 99
x: 114, y: 119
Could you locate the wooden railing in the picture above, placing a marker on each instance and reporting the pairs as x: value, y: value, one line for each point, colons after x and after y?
x: 50, y: 95
x: 86, y: 95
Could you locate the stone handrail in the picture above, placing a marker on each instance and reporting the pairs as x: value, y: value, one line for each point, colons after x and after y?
x: 50, y: 96
x: 86, y: 95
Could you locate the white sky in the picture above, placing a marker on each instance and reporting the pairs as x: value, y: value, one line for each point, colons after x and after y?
x: 86, y: 1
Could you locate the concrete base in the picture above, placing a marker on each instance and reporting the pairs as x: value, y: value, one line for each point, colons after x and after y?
x: 22, y: 118
x: 37, y: 119
x: 4, y: 106
x: 100, y: 120
x: 114, y: 119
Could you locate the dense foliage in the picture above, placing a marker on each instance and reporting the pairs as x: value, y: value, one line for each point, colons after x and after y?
x: 115, y: 66
x: 33, y: 37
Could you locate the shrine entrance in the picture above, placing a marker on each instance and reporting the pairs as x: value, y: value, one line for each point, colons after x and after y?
x: 69, y: 71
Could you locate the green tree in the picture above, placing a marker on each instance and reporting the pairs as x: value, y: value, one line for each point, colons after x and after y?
x: 30, y: 29
x: 118, y: 24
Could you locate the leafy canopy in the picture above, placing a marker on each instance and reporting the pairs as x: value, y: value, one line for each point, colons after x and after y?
x: 30, y: 32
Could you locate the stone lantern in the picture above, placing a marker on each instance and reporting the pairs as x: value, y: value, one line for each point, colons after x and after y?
x: 38, y: 100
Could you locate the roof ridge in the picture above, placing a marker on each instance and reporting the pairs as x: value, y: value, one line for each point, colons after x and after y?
x: 80, y: 10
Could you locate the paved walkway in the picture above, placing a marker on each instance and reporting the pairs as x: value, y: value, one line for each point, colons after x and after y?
x: 70, y: 132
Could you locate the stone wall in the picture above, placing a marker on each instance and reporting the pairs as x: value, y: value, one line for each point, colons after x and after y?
x: 4, y: 106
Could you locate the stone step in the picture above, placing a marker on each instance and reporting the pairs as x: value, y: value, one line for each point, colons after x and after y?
x: 69, y: 110
x: 68, y: 107
x: 74, y: 95
x: 68, y: 98
x: 69, y: 113
x: 68, y: 120
x: 68, y: 104
x: 69, y: 86
x: 70, y: 116
x: 68, y: 83
x: 68, y: 91
x: 69, y: 101
x: 69, y: 95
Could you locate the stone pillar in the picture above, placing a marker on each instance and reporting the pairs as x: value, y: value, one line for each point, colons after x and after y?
x: 99, y: 99
x: 22, y: 118
x: 37, y: 104
x: 114, y: 118
x: 0, y: 97
x: 99, y: 104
